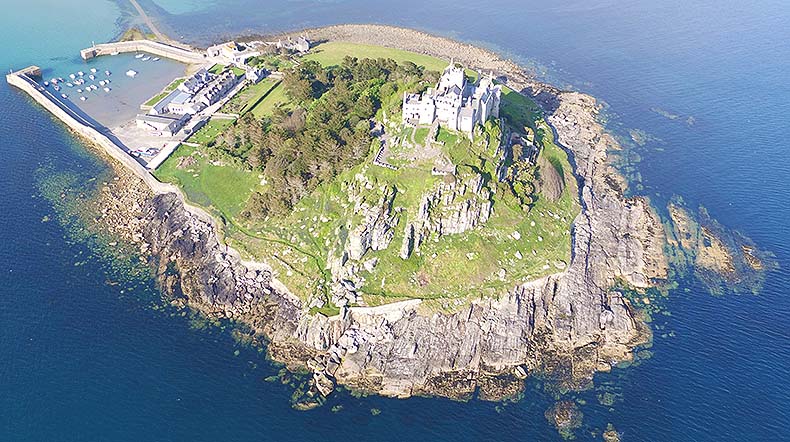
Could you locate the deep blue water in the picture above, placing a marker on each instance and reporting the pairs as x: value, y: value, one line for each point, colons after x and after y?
x: 80, y: 360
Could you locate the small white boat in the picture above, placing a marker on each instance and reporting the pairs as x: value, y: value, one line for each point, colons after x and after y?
x: 80, y: 73
x: 92, y: 77
x: 138, y: 56
x: 56, y: 87
x: 101, y: 82
x: 107, y: 73
x: 155, y: 59
x: 69, y: 85
x: 72, y: 76
x: 64, y: 96
x: 46, y: 84
x: 83, y: 98
x: 106, y: 89
x: 94, y: 70
x: 114, y: 53
x: 131, y: 73
x: 146, y: 58
x: 79, y: 91
x: 60, y: 79
x: 53, y: 80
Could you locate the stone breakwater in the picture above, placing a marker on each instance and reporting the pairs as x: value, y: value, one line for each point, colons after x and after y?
x: 568, y: 325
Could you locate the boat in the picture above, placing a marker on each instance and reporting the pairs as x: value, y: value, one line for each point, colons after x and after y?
x: 155, y: 59
x: 94, y: 70
x: 114, y: 53
x: 138, y: 56
x: 101, y: 82
x: 79, y: 91
x: 46, y: 84
x: 64, y: 96
x: 107, y: 73
x: 53, y: 80
x: 56, y: 87
x: 72, y: 76
x: 60, y: 79
x: 131, y: 73
x: 106, y: 89
x: 146, y: 58
x: 92, y: 77
x: 83, y: 98
x: 69, y: 85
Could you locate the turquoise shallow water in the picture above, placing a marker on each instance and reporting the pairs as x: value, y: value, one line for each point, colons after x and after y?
x: 83, y: 361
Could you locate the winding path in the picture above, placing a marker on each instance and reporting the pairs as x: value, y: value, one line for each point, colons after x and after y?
x: 159, y: 35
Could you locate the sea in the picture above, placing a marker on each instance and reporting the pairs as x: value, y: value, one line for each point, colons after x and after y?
x: 697, y: 90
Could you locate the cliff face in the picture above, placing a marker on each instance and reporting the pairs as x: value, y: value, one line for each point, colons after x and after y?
x: 569, y: 324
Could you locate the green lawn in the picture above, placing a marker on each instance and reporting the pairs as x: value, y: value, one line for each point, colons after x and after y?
x: 247, y: 98
x: 332, y: 53
x: 210, y: 131
x: 274, y: 98
x: 217, y: 185
x: 217, y: 68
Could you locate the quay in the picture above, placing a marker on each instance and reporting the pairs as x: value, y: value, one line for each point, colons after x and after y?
x: 151, y: 47
x: 25, y: 80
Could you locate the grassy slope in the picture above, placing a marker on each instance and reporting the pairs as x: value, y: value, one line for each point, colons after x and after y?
x: 274, y: 98
x: 224, y: 188
x: 210, y: 131
x: 247, y: 98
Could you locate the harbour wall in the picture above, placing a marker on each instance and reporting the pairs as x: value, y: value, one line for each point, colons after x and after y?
x: 151, y: 47
x: 75, y: 122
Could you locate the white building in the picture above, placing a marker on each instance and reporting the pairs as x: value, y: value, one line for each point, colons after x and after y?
x: 455, y: 103
x: 167, y: 124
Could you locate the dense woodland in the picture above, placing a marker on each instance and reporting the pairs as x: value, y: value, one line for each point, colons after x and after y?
x: 326, y: 130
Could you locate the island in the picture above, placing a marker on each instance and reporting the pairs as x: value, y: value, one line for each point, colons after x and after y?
x: 392, y: 211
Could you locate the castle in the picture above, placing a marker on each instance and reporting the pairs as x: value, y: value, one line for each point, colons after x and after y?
x: 455, y: 103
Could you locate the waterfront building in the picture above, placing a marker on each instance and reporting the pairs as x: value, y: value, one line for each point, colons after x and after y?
x: 167, y: 124
x: 455, y: 102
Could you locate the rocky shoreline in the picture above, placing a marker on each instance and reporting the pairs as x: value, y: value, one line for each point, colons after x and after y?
x: 567, y: 325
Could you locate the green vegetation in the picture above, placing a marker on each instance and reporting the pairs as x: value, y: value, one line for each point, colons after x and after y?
x: 333, y: 53
x: 249, y: 97
x: 208, y: 133
x: 275, y: 99
x: 217, y: 68
x: 294, y: 177
x: 210, y: 180
x: 170, y: 88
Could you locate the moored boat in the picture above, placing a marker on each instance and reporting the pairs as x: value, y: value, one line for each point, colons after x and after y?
x: 138, y: 56
x: 155, y: 59
x: 107, y: 73
x: 146, y: 58
x: 106, y: 89
x: 131, y: 73
x: 64, y: 96
x: 93, y: 70
x: 83, y: 98
x: 72, y: 76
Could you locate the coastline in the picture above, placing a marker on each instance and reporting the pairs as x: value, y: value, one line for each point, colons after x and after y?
x: 569, y: 323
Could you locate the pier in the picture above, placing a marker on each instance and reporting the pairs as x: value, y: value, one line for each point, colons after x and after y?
x: 151, y: 47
